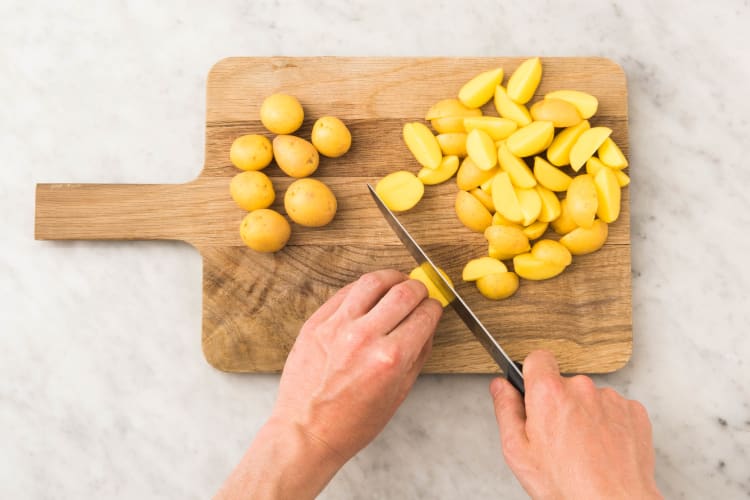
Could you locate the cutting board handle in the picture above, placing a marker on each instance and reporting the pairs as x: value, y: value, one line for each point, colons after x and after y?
x: 127, y: 211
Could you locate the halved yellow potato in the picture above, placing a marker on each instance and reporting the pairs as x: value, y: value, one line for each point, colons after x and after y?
x: 508, y: 108
x: 550, y: 177
x: 586, y: 145
x: 582, y: 200
x: 584, y: 102
x: 564, y: 222
x: 499, y: 220
x: 622, y: 178
x: 505, y: 199
x: 520, y: 174
x: 484, y: 198
x: 583, y: 240
x: 561, y: 113
x: 611, y: 155
x: 471, y: 212
x: 476, y: 268
x: 419, y: 274
x: 481, y: 149
x: 552, y: 251
x: 448, y: 167
x: 558, y: 152
x: 506, y: 241
x: 593, y: 165
x: 531, y: 205
x: 527, y: 266
x: 498, y: 286
x: 608, y: 195
x: 535, y: 230
x: 470, y: 176
x: 478, y: 91
x: 450, y: 108
x: 531, y: 139
x: 453, y: 143
x: 422, y: 144
x: 400, y: 190
x: 497, y: 128
x: 550, y: 204
x: 525, y: 79
x: 449, y: 125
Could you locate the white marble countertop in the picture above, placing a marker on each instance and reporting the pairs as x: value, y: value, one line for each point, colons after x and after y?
x: 104, y: 392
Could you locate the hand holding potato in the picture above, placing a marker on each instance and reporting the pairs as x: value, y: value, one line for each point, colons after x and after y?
x: 353, y: 363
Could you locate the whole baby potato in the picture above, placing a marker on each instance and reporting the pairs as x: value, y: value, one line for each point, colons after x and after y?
x: 251, y: 152
x: 281, y: 113
x: 309, y: 202
x: 295, y: 156
x: 265, y: 230
x: 252, y: 190
x: 331, y: 137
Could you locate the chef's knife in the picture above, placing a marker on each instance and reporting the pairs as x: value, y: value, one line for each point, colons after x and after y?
x: 509, y: 368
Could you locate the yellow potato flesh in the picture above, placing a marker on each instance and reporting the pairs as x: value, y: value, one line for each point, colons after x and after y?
x: 520, y: 174
x: 582, y: 200
x: 450, y: 108
x: 549, y: 176
x: 586, y: 145
x: 531, y: 139
x: 508, y: 108
x: 265, y: 230
x: 611, y: 155
x: 552, y: 251
x: 550, y: 204
x: 309, y: 202
x: 529, y: 267
x: 558, y: 152
x: 531, y: 205
x: 504, y: 198
x: 586, y: 104
x: 535, y: 230
x: 622, y: 178
x: 525, y: 79
x: 484, y: 198
x: 470, y: 176
x: 476, y: 268
x: 507, y: 240
x: 496, y: 128
x: 400, y: 190
x: 296, y: 157
x: 251, y: 152
x: 471, y: 212
x: 608, y: 195
x: 582, y: 240
x: 562, y: 114
x: 331, y: 137
x: 419, y: 274
x: 252, y: 190
x: 499, y: 220
x: 281, y: 114
x: 498, y: 286
x: 481, y: 149
x: 564, y: 222
x: 452, y: 144
x: 449, y: 125
x: 422, y: 144
x: 448, y: 167
x: 593, y: 165
x: 478, y: 91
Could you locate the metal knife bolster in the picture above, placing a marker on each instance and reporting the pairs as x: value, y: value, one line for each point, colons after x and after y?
x: 509, y: 368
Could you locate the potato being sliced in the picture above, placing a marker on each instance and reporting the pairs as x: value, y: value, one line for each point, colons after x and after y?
x: 531, y: 139
x: 453, y: 143
x: 586, y: 145
x: 583, y: 240
x: 478, y: 91
x: 422, y: 144
x: 498, y: 286
x: 470, y: 176
x: 584, y: 102
x: 558, y: 152
x: 520, y: 174
x: 508, y: 108
x: 481, y: 149
x: 400, y: 190
x: 476, y: 268
x: 582, y: 200
x: 505, y: 199
x: 419, y: 274
x: 608, y: 195
x: 497, y: 128
x: 550, y: 177
x: 471, y: 212
x: 525, y: 79
x: 611, y: 155
x: 446, y: 170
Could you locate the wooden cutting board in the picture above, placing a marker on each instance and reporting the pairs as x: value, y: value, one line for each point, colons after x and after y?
x: 254, y: 304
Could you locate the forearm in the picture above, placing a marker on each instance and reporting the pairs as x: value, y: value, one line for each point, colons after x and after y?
x: 282, y: 462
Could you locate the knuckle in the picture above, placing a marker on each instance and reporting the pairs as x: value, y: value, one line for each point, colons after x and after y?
x: 610, y: 394
x: 582, y: 383
x: 638, y: 410
x: 371, y: 281
x: 405, y: 292
x: 387, y: 356
x: 548, y: 387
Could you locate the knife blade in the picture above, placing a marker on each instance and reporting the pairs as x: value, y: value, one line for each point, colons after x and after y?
x: 509, y: 368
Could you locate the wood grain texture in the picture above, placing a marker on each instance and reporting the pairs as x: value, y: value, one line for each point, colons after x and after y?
x: 254, y: 304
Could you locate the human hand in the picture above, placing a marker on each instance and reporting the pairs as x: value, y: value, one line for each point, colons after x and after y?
x: 569, y: 439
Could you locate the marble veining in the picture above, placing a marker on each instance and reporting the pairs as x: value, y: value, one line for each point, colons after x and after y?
x: 104, y: 392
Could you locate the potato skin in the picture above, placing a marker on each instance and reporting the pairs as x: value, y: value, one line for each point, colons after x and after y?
x: 309, y: 202
x: 331, y: 137
x: 251, y: 152
x: 296, y: 157
x: 281, y: 113
x: 265, y: 230
x: 252, y: 190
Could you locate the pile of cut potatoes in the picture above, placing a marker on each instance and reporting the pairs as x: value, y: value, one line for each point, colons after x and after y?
x: 518, y: 173
x: 308, y: 202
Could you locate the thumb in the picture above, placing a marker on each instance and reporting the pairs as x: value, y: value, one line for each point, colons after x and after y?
x: 511, y: 417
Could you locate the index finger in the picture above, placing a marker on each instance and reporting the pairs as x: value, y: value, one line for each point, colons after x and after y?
x: 367, y: 291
